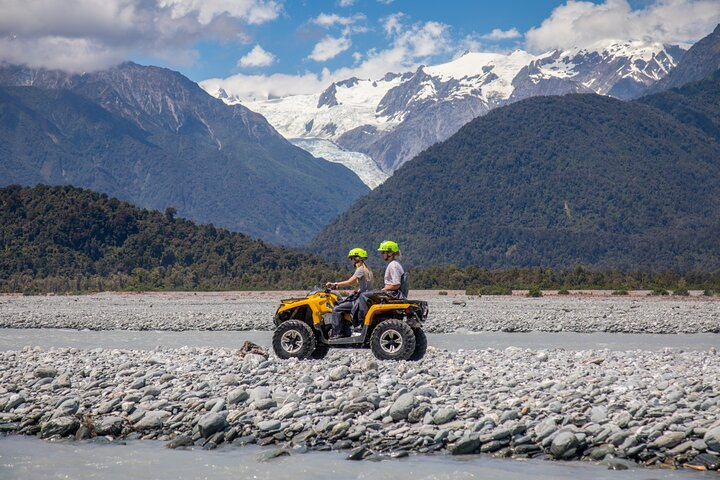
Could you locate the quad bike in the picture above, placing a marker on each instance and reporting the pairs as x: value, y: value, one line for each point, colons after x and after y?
x: 392, y: 327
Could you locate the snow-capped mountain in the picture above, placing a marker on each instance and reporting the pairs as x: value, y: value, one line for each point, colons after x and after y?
x: 394, y: 118
x: 621, y: 70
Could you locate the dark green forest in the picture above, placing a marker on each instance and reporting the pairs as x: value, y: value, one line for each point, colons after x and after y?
x: 66, y: 239
x: 70, y: 240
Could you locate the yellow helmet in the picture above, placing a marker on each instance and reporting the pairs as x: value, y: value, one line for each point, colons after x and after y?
x: 388, y: 246
x: 357, y: 252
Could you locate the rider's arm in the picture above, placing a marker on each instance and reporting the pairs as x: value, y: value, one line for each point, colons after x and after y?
x: 389, y: 287
x: 344, y: 283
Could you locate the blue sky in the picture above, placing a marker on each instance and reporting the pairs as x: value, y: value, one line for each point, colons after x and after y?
x: 278, y: 47
x: 292, y: 36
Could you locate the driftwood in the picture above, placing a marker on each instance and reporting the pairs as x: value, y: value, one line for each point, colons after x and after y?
x: 250, y: 347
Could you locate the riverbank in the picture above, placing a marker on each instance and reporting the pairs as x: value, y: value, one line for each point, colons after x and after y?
x: 254, y: 311
x: 26, y: 458
x: 647, y: 407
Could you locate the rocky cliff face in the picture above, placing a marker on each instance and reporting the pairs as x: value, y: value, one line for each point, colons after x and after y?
x: 701, y: 61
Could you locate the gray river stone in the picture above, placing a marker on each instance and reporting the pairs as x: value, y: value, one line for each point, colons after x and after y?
x: 668, y: 440
x: 237, y: 395
x: 465, y: 445
x: 563, y: 443
x: 14, y: 401
x: 259, y: 393
x: 67, y: 407
x: 338, y: 373
x: 62, y: 426
x: 110, y: 425
x: 211, y: 423
x: 45, y: 372
x: 712, y: 439
x: 269, y: 425
x: 264, y: 404
x: 444, y: 415
x: 152, y: 420
x: 402, y: 406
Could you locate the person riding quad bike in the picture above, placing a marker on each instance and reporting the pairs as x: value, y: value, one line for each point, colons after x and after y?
x: 363, y: 278
x: 394, y: 272
x: 392, y: 326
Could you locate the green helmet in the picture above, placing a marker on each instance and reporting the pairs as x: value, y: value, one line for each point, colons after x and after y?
x: 389, y: 246
x: 357, y: 252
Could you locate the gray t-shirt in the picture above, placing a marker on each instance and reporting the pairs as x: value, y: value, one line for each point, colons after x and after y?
x: 365, y: 283
x: 393, y: 273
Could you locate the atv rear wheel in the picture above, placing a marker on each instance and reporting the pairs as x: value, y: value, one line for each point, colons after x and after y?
x: 392, y: 340
x: 293, y: 339
x: 420, y: 344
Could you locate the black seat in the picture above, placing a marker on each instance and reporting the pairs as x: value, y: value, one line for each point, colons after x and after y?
x: 386, y: 298
x: 404, y: 285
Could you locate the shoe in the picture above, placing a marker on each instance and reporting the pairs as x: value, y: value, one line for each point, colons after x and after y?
x: 336, y: 337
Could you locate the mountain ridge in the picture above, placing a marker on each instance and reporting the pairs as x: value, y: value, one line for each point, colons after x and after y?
x: 212, y: 162
x: 393, y: 118
x: 553, y: 182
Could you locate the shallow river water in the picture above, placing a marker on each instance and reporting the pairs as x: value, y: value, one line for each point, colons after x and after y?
x: 30, y: 458
x: 17, y: 338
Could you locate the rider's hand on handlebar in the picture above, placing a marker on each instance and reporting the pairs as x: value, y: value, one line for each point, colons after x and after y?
x: 331, y: 285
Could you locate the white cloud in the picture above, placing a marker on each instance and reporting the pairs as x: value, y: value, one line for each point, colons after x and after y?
x: 409, y: 47
x: 581, y: 24
x: 329, y: 47
x: 498, y: 34
x: 250, y: 87
x: 385, y: 2
x: 253, y: 11
x: 392, y: 24
x: 329, y: 19
x: 257, y: 57
x: 346, y: 3
x: 86, y: 35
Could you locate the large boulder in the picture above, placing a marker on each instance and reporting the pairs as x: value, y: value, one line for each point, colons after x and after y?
x: 563, y: 444
x: 712, y: 439
x: 401, y: 408
x: 61, y: 426
x: 211, y: 423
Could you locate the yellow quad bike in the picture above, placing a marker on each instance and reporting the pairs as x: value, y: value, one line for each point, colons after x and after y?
x: 392, y: 327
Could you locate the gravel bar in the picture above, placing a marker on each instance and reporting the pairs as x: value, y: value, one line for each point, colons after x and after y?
x: 254, y: 311
x: 621, y: 408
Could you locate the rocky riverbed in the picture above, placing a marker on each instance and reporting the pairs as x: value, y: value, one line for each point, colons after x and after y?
x: 655, y: 408
x: 254, y: 311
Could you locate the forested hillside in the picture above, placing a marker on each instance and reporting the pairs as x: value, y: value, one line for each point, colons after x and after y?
x: 69, y: 239
x: 554, y: 182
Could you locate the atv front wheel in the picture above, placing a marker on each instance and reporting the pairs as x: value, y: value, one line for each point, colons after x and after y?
x: 293, y: 339
x: 393, y: 340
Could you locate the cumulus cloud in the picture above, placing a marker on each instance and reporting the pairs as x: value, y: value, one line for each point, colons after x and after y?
x: 86, y: 35
x: 254, y: 87
x: 498, y: 34
x: 393, y: 24
x: 329, y: 47
x: 581, y: 23
x: 330, y: 19
x: 409, y: 46
x: 257, y: 57
x: 346, y: 3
